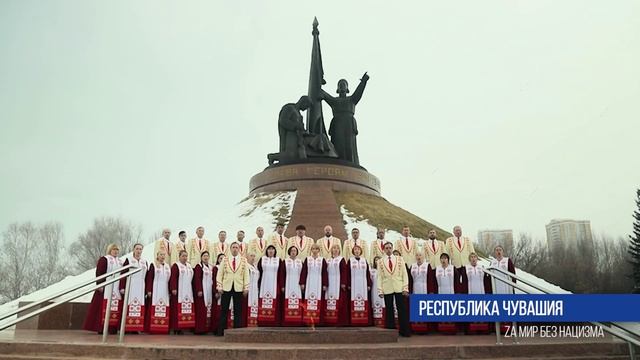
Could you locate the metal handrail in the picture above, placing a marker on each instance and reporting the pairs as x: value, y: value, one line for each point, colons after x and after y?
x: 519, y: 278
x: 109, y: 284
x: 622, y: 333
x: 63, y: 292
x: 546, y: 291
x: 619, y: 326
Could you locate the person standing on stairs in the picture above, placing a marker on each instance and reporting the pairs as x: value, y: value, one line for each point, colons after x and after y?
x: 279, y: 241
x: 327, y: 242
x: 393, y: 286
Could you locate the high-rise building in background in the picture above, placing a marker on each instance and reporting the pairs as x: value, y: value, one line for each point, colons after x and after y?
x: 489, y: 239
x: 568, y: 233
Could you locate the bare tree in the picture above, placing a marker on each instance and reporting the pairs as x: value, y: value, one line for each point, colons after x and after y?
x: 596, y: 266
x: 91, y: 245
x: 51, y: 268
x: 530, y: 255
x: 612, y: 264
x: 17, y: 241
x: 30, y: 259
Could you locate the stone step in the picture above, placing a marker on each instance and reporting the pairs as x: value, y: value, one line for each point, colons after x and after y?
x: 208, y: 347
x: 44, y: 357
x: 53, y: 357
x: 569, y: 350
x: 47, y: 357
x: 300, y: 335
x: 576, y: 357
x: 279, y: 344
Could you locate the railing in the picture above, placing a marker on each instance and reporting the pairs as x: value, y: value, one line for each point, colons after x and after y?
x: 63, y: 292
x: 108, y: 287
x: 617, y: 330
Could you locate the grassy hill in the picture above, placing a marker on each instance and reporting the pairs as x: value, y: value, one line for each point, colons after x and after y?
x: 379, y: 212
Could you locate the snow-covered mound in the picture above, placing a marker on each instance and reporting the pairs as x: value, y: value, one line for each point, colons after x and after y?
x: 265, y: 209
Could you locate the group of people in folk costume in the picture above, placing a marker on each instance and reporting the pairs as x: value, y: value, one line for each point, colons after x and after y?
x: 298, y: 281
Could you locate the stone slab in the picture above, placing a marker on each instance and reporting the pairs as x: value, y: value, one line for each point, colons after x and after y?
x: 305, y: 335
x: 68, y: 316
x: 81, y: 344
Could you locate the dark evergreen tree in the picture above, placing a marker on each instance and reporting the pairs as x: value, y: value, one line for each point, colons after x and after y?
x: 634, y: 246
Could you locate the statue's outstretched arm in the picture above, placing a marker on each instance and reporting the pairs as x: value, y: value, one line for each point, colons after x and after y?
x: 326, y: 97
x: 357, y: 95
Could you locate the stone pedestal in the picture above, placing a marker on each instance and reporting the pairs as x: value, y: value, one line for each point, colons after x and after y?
x: 336, y: 177
x: 315, y: 204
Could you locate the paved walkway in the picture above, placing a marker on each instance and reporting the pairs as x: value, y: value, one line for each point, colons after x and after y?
x: 190, y: 340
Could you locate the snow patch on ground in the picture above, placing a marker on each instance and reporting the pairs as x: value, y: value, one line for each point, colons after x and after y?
x: 263, y: 209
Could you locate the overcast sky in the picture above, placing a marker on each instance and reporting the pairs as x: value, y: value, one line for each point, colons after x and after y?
x: 487, y: 114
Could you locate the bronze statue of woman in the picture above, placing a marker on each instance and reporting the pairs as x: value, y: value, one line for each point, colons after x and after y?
x: 343, y: 128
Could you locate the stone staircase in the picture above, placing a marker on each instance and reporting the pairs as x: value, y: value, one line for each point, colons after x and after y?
x: 269, y: 344
x: 312, y: 352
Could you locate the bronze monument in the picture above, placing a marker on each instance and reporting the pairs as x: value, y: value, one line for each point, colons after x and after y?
x: 311, y: 144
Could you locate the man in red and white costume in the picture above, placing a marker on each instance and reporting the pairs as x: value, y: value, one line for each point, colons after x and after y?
x: 302, y: 242
x: 377, y: 246
x: 221, y: 247
x: 433, y: 248
x: 243, y: 248
x: 196, y: 246
x: 406, y: 245
x: 327, y: 241
x: 258, y: 246
x: 232, y: 284
x: 355, y: 239
x: 279, y: 242
x: 165, y: 244
x: 459, y: 247
x: 178, y: 246
x: 393, y: 286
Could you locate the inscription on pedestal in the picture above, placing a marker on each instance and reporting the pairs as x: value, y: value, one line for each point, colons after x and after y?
x: 289, y: 175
